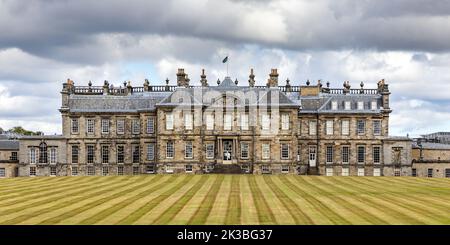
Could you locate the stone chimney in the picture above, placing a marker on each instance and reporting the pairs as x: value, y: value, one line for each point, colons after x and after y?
x: 273, y: 78
x: 383, y: 89
x: 251, y: 80
x: 203, y: 80
x: 182, y: 78
x: 68, y: 88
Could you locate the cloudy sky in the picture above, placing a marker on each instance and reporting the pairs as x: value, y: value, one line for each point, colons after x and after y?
x: 406, y: 42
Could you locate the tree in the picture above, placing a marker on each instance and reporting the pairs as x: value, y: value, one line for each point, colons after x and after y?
x: 21, y: 131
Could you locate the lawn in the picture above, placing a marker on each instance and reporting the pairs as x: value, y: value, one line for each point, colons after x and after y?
x: 224, y: 199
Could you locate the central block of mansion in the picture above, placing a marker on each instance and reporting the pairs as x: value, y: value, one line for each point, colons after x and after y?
x: 226, y: 128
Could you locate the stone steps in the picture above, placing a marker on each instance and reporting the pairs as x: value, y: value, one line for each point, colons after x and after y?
x: 227, y: 169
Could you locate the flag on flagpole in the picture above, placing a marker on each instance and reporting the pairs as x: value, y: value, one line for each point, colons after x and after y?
x: 225, y: 60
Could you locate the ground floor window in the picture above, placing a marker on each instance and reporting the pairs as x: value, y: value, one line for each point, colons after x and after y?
x: 360, y: 172
x: 2, y: 172
x: 169, y: 168
x: 376, y: 172
x: 119, y: 170
x: 105, y: 171
x: 74, y: 171
x: 345, y: 172
x: 32, y: 171
x: 245, y: 168
x: 329, y: 172
x: 430, y: 173
x: 397, y: 172
x: 209, y: 168
x: 414, y: 172
x: 265, y: 169
x: 285, y: 169
x: 135, y: 170
x: 188, y: 168
x: 91, y: 170
x: 447, y: 173
x: 52, y: 171
x: 150, y: 169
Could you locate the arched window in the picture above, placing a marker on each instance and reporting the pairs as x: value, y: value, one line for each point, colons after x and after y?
x: 43, y: 153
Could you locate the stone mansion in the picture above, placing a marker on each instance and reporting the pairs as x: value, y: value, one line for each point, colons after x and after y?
x: 226, y: 127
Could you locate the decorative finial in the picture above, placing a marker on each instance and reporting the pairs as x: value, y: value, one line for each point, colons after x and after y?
x: 124, y: 84
x: 236, y: 81
x: 328, y: 84
x: 361, y: 84
x: 146, y: 82
x: 89, y: 83
x: 218, y: 81
x: 167, y: 81
x: 106, y: 83
x: 307, y: 82
x: 288, y: 82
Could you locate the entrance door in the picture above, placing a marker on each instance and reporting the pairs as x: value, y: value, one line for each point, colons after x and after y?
x: 227, y: 150
x: 312, y: 155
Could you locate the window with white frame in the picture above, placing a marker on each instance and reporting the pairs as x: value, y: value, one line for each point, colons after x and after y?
x: 244, y: 121
x: 105, y: 170
x: 209, y: 122
x: 345, y: 154
x: 150, y: 125
x: 345, y: 172
x: 52, y: 171
x: 74, y: 126
x: 136, y: 153
x: 347, y: 105
x: 265, y: 169
x: 329, y: 171
x: 334, y: 105
x: 299, y: 152
x: 360, y: 171
x: 150, y: 168
x: 361, y: 126
x: 33, y: 154
x: 429, y: 172
x: 376, y: 127
x: 361, y: 154
x: 119, y: 170
x: 373, y: 105
x: 397, y: 172
x: 245, y: 168
x: 284, y: 169
x: 284, y: 151
x: 136, y: 127
x: 376, y: 154
x: 90, y: 153
x: 414, y: 172
x: 43, y: 153
x: 345, y: 129
x: 75, y: 152
x: 151, y: 151
x: 376, y: 172
x: 329, y: 154
x: 105, y: 154
x: 53, y: 155
x: 265, y: 150
x: 312, y: 127
x: 135, y: 170
x: 32, y: 171
x: 285, y: 121
x: 227, y: 122
x: 188, y: 121
x: 169, y: 168
x: 188, y: 150
x: 210, y: 151
x: 244, y: 150
x: 120, y: 153
x: 360, y: 105
x: 13, y: 156
x: 169, y: 149
x: 120, y: 126
x: 2, y: 172
x: 105, y: 126
x: 169, y: 121
x: 74, y: 171
x: 265, y: 122
x: 329, y: 127
x: 188, y: 168
x: 90, y: 170
x: 90, y: 127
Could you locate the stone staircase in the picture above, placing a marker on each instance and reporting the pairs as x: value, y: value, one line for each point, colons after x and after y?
x: 227, y: 169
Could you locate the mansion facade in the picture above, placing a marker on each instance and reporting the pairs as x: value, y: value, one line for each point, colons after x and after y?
x: 226, y: 128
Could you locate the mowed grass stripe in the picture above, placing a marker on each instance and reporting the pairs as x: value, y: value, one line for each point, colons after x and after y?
x: 176, y: 207
x: 118, y: 206
x: 249, y: 216
x: 33, y: 212
x: 203, y: 211
x: 5, y: 188
x: 265, y: 215
x: 296, y: 184
x: 219, y: 209
x: 296, y: 212
x: 109, y: 195
x: 150, y: 205
x: 21, y: 181
x: 234, y: 203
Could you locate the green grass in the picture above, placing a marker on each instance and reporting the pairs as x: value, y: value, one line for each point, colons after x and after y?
x: 224, y: 199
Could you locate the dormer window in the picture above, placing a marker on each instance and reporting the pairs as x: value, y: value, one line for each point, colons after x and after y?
x: 334, y: 105
x: 347, y: 105
x: 374, y: 105
x: 360, y: 105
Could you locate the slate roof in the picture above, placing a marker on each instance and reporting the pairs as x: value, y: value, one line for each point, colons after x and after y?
x: 433, y: 146
x: 12, y: 145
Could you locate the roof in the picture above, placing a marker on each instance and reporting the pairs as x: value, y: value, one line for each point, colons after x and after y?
x: 48, y: 137
x: 433, y: 146
x: 12, y: 145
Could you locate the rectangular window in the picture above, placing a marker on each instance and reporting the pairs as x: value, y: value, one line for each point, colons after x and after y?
x: 105, y: 154
x: 120, y: 126
x: 75, y: 152
x: 376, y: 154
x: 397, y: 172
x: 265, y: 169
x: 360, y: 171
x: 329, y: 154
x: 136, y: 153
x: 209, y: 122
x: 345, y: 127
x: 284, y: 169
x: 135, y: 170
x: 13, y: 156
x: 345, y: 172
x: 74, y: 171
x: 329, y: 172
x: 227, y: 122
x: 188, y: 168
x: 313, y: 127
x: 91, y: 170
x: 105, y: 126
x: 74, y: 126
x: 265, y: 122
x: 361, y: 126
x: 299, y: 153
x: 361, y: 154
x: 360, y: 105
x: 52, y: 171
x: 285, y: 121
x: 151, y: 151
x: 150, y: 125
x: 188, y: 121
x: 90, y: 125
x: 105, y: 170
x: 90, y: 153
x: 32, y: 171
x: 2, y: 172
x: 188, y: 148
x: 430, y: 172
x: 119, y: 170
x: 447, y: 173
x: 169, y: 168
x: 376, y: 172
x: 244, y: 122
x: 169, y: 121
x: 210, y: 151
x: 329, y: 127
x: 374, y: 105
x: 169, y: 149
x: 120, y: 154
x: 33, y: 155
x: 245, y: 169
x: 265, y: 151
x: 414, y: 172
x: 376, y: 127
x: 244, y: 150
x: 334, y: 105
x: 136, y: 127
x: 284, y: 151
x: 150, y: 169
x: 347, y: 105
x: 53, y: 155
x: 345, y: 154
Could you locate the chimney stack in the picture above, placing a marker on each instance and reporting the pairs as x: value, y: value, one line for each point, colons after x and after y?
x: 273, y: 78
x: 203, y: 80
x: 182, y: 80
